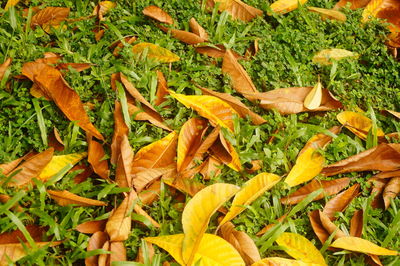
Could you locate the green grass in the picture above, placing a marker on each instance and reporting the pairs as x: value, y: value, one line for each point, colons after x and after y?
x: 287, y: 45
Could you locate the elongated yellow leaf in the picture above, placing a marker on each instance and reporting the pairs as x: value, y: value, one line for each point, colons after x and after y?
x: 308, y: 165
x: 274, y: 261
x: 361, y: 245
x: 314, y: 97
x: 197, y: 214
x: 250, y: 191
x: 58, y: 162
x: 10, y: 3
x: 213, y: 250
x: 357, y: 123
x: 217, y: 111
x: 324, y: 57
x: 328, y: 13
x: 300, y: 248
x: 155, y: 52
x: 285, y: 6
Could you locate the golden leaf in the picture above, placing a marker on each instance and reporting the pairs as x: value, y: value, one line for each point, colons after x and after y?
x: 197, y: 214
x: 9, y: 4
x: 155, y: 52
x: 357, y: 123
x: 361, y: 245
x: 65, y: 198
x: 277, y: 261
x: 285, y: 6
x: 314, y: 97
x: 328, y: 13
x: 324, y: 57
x: 58, y: 162
x: 237, y: 9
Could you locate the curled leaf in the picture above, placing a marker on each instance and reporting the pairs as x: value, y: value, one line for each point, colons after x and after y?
x: 325, y: 57
x: 340, y: 202
x: 65, y: 198
x: 96, y: 159
x: 155, y: 52
x: 91, y: 227
x: 183, y: 36
x: 158, y: 14
x: 356, y: 223
x: 102, y: 8
x: 357, y: 123
x: 226, y: 153
x: 162, y: 88
x: 361, y: 245
x: 314, y: 97
x: 197, y: 29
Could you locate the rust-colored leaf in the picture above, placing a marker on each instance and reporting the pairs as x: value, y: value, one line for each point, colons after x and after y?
x: 317, y: 226
x: 120, y: 130
x: 124, y: 164
x: 118, y: 45
x: 183, y: 36
x: 49, y: 17
x: 329, y: 226
x: 269, y: 226
x: 391, y: 190
x: 81, y: 177
x: 97, y: 241
x: 96, y: 156
x: 356, y: 223
x: 4, y: 67
x: 158, y: 14
x: 4, y: 198
x: 91, y: 227
x: 102, y: 8
x: 241, y: 242
x: 384, y: 157
x: 226, y: 153
x: 210, y: 168
x: 104, y: 259
x: 197, y: 29
x: 340, y: 202
x: 65, y: 198
x: 252, y: 50
x: 36, y: 232
x: 142, y: 115
x: 31, y: 168
x: 150, y: 194
x: 147, y: 176
x: 6, y: 168
x: 16, y: 251
x: 236, y: 104
x: 162, y: 88
x: 216, y: 51
x: 237, y: 9
x: 330, y: 187
x: 150, y: 251
x: 354, y: 4
x: 188, y: 186
x: 291, y: 100
x: 118, y: 252
x: 378, y: 186
x: 320, y: 140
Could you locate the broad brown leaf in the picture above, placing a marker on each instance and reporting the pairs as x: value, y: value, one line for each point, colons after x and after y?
x: 147, y: 176
x: 158, y: 14
x: 65, y: 198
x: 236, y: 104
x: 317, y: 226
x: 237, y: 9
x: 384, y: 157
x: 118, y: 251
x: 211, y: 168
x: 4, y: 67
x: 97, y: 241
x: 387, y: 174
x: 226, y: 153
x: 81, y: 177
x: 162, y: 88
x: 329, y: 226
x: 6, y: 168
x: 91, y: 227
x: 378, y: 186
x: 392, y: 189
x: 31, y: 168
x: 150, y: 194
x: 120, y: 130
x: 216, y: 51
x: 96, y: 156
x: 197, y: 29
x: 187, y: 186
x: 340, y: 202
x: 320, y: 140
x: 354, y: 4
x: 356, y: 223
x: 16, y: 251
x: 183, y: 36
x: 330, y: 187
x: 141, y: 115
x: 124, y: 164
x: 49, y: 17
x: 36, y: 232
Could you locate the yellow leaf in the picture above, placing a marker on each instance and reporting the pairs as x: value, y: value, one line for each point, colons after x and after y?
x: 155, y: 52
x: 357, y: 123
x: 314, y: 97
x: 328, y: 13
x: 226, y: 153
x: 300, y: 248
x: 273, y: 261
x: 361, y: 245
x: 213, y: 250
x: 324, y: 57
x: 197, y: 214
x: 250, y: 191
x: 308, y: 165
x: 238, y: 9
x: 285, y: 6
x: 65, y: 198
x: 58, y: 162
x: 217, y: 111
x: 10, y: 3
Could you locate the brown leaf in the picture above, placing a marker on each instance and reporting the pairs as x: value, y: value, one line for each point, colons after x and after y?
x: 252, y: 50
x: 387, y: 174
x: 197, y: 29
x: 118, y: 45
x: 291, y: 100
x: 158, y: 14
x: 81, y: 177
x: 49, y: 58
x: 354, y: 4
x: 237, y: 9
x: 49, y: 17
x: 150, y: 250
x: 391, y: 190
x: 31, y: 168
x: 329, y: 226
x: 102, y: 8
x: 4, y: 67
x: 53, y: 84
x: 91, y: 227
x: 183, y: 36
x: 65, y: 198
x: 255, y: 166
x: 340, y: 202
x: 236, y: 104
x: 118, y: 252
x: 95, y: 158
x: 104, y: 259
x: 55, y: 140
x: 6, y: 168
x: 147, y: 176
x: 269, y: 226
x: 241, y: 242
x: 216, y: 51
x: 356, y: 223
x: 36, y: 232
x: 211, y: 168
x: 120, y: 130
x: 15, y: 251
x: 394, y: 113
x: 241, y: 81
x: 140, y: 211
x: 384, y: 157
x: 320, y: 140
x: 142, y: 115
x: 317, y: 226
x: 162, y: 88
x: 16, y: 207
x: 378, y: 186
x: 124, y: 164
x: 77, y: 66
x: 97, y: 241
x: 328, y: 13
x: 226, y: 153
x: 150, y: 194
x: 330, y: 187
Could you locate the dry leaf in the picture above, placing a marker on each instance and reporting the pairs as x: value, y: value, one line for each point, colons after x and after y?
x: 314, y: 97
x: 148, y: 196
x: 357, y: 123
x: 391, y: 190
x: 118, y: 45
x: 120, y: 130
x: 155, y: 52
x: 158, y: 14
x: 147, y: 176
x: 237, y: 9
x: 356, y: 223
x: 96, y: 159
x: 320, y: 140
x: 49, y: 17
x: 102, y: 8
x: 384, y: 157
x: 226, y: 153
x: 16, y: 251
x: 284, y: 6
x: 354, y: 4
x: 394, y: 113
x: 58, y: 162
x: 15, y: 207
x: 36, y: 232
x: 162, y: 88
x: 65, y: 198
x: 187, y: 186
x: 124, y: 164
x: 378, y: 186
x: 210, y: 168
x: 118, y: 252
x: 91, y: 227
x: 141, y: 115
x: 317, y: 226
x: 6, y: 168
x: 183, y: 36
x: 104, y: 259
x: 197, y: 29
x: 11, y: 3
x: 329, y: 226
x: 216, y: 51
x: 340, y: 202
x: 150, y: 251
x: 325, y: 57
x: 4, y: 67
x: 331, y: 187
x: 328, y: 13
x: 278, y: 261
x: 241, y: 242
x: 197, y: 214
x: 97, y: 241
x: 357, y: 244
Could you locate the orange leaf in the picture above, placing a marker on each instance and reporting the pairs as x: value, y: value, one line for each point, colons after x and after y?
x: 96, y: 156
x: 49, y: 17
x: 183, y: 36
x: 216, y: 51
x: 147, y: 176
x: 5, y: 198
x: 15, y: 251
x: 97, y: 241
x: 102, y: 8
x: 36, y: 232
x: 4, y: 67
x: 142, y: 115
x: 120, y: 130
x: 320, y: 140
x: 148, y: 196
x: 188, y: 186
x: 6, y: 168
x: 91, y: 227
x: 150, y: 251
x: 329, y: 226
x: 118, y: 252
x: 65, y: 198
x: 118, y: 45
x: 210, y: 168
x: 237, y: 9
x: 197, y: 29
x: 162, y: 88
x: 104, y: 259
x: 317, y: 226
x: 226, y: 153
x: 340, y: 202
x: 158, y: 14
x: 391, y: 190
x: 356, y: 223
x: 124, y: 164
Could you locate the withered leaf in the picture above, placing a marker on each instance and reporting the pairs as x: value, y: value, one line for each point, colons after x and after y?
x: 378, y: 186
x: 320, y: 140
x: 356, y: 223
x: 36, y: 232
x: 210, y: 168
x: 269, y: 226
x: 104, y: 259
x: 102, y: 8
x: 329, y: 226
x: 188, y: 186
x: 340, y: 202
x: 124, y: 164
x: 97, y: 241
x: 150, y: 194
x: 317, y: 226
x: 141, y: 115
x: 216, y: 51
x: 77, y: 66
x: 96, y: 156
x: 158, y: 14
x: 118, y: 45
x: 49, y: 17
x: 162, y: 88
x: 118, y: 251
x: 6, y: 168
x: 150, y: 252
x: 147, y: 176
x: 357, y: 123
x: 237, y: 9
x: 16, y: 251
x: 120, y: 130
x: 183, y: 36
x: 197, y: 29
x: 4, y: 67
x: 226, y: 153
x: 65, y: 198
x: 91, y: 227
x: 391, y: 190
x: 328, y: 13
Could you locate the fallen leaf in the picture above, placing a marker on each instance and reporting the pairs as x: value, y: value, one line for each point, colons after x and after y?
x: 197, y: 214
x: 91, y: 227
x: 236, y: 104
x: 284, y: 6
x: 320, y: 140
x: 16, y: 207
x: 340, y: 202
x: 158, y: 14
x: 102, y: 8
x: 317, y: 226
x: 255, y: 166
x: 394, y: 113
x: 216, y: 51
x: 210, y: 168
x: 147, y: 176
x: 104, y: 258
x: 97, y: 241
x: 10, y: 3
x: 141, y: 115
x: 357, y: 123
x: 36, y: 232
x: 269, y: 226
x: 308, y: 165
x: 4, y: 67
x: 357, y: 244
x: 124, y: 164
x: 118, y: 45
x: 325, y: 57
x: 217, y: 111
x: 118, y: 252
x: 241, y: 242
x: 277, y: 261
x: 314, y: 97
x: 241, y: 81
x: 31, y: 168
x: 237, y: 9
x: 183, y: 36
x: 187, y: 186
x: 58, y: 162
x: 96, y: 159
x: 329, y: 13
x: 384, y: 157
x: 65, y: 198
x: 16, y: 251
x: 378, y: 186
x: 49, y: 17
x: 300, y: 248
x: 197, y: 29
x: 391, y: 190
x: 354, y: 4
x: 120, y: 130
x: 331, y: 187
x: 148, y: 196
x: 213, y: 250
x: 356, y: 223
x: 77, y: 66
x: 291, y: 100
x: 155, y: 52
x: 6, y: 168
x: 162, y: 88
x: 226, y: 153
x: 249, y: 192
x: 329, y: 226
x: 150, y: 253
